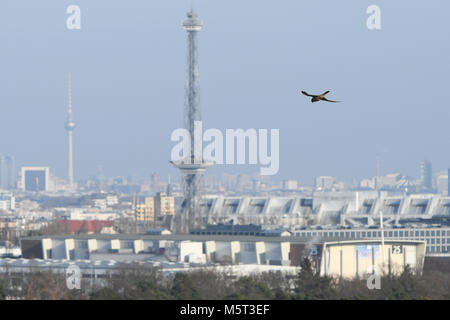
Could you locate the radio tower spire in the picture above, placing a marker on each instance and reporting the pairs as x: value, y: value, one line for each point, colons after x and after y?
x: 194, y: 166
x: 70, y: 126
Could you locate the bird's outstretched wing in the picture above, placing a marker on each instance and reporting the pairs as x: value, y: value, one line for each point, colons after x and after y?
x: 307, y: 94
x: 325, y: 99
x: 326, y: 92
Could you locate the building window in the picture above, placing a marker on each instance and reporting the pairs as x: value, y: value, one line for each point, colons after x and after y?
x: 417, y: 233
x: 401, y: 233
x: 427, y: 233
x: 352, y: 235
x: 395, y: 233
x: 422, y: 233
x: 432, y: 240
x: 438, y: 241
x: 364, y: 234
x: 390, y: 233
x: 432, y: 233
x: 438, y: 233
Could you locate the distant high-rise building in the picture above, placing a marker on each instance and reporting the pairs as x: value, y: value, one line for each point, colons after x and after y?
x: 448, y: 187
x: 100, y: 179
x: 290, y: 184
x: 169, y: 187
x: 164, y: 205
x: 153, y: 207
x: 442, y: 183
x: 155, y: 182
x: 35, y: 179
x: 3, y: 181
x: 390, y: 180
x: 324, y: 182
x: 256, y: 186
x: 7, y: 172
x: 368, y: 183
x: 146, y: 210
x: 426, y: 175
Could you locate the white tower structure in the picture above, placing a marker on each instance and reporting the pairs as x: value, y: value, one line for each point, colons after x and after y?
x: 70, y: 126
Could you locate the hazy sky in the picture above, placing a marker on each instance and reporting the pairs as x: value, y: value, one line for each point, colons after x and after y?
x: 128, y: 68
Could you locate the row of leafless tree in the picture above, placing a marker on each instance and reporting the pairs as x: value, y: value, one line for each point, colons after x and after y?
x: 146, y: 283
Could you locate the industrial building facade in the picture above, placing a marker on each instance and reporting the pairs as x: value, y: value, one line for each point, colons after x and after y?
x: 357, y: 259
x: 328, y: 208
x: 437, y: 238
x: 180, y: 248
x: 343, y: 259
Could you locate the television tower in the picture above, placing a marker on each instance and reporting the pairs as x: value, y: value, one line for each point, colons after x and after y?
x: 193, y: 167
x: 70, y: 126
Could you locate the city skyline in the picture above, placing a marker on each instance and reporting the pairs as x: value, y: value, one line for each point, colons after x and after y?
x: 246, y: 184
x: 117, y: 130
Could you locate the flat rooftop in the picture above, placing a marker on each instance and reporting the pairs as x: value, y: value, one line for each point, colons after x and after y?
x: 189, y: 237
x: 172, y: 237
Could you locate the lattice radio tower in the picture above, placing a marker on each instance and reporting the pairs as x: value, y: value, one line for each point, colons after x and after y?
x: 192, y: 168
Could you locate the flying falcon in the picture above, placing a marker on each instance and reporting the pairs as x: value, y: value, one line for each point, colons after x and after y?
x: 316, y: 98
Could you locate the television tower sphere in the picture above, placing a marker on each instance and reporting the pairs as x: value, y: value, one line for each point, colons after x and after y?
x: 70, y: 125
